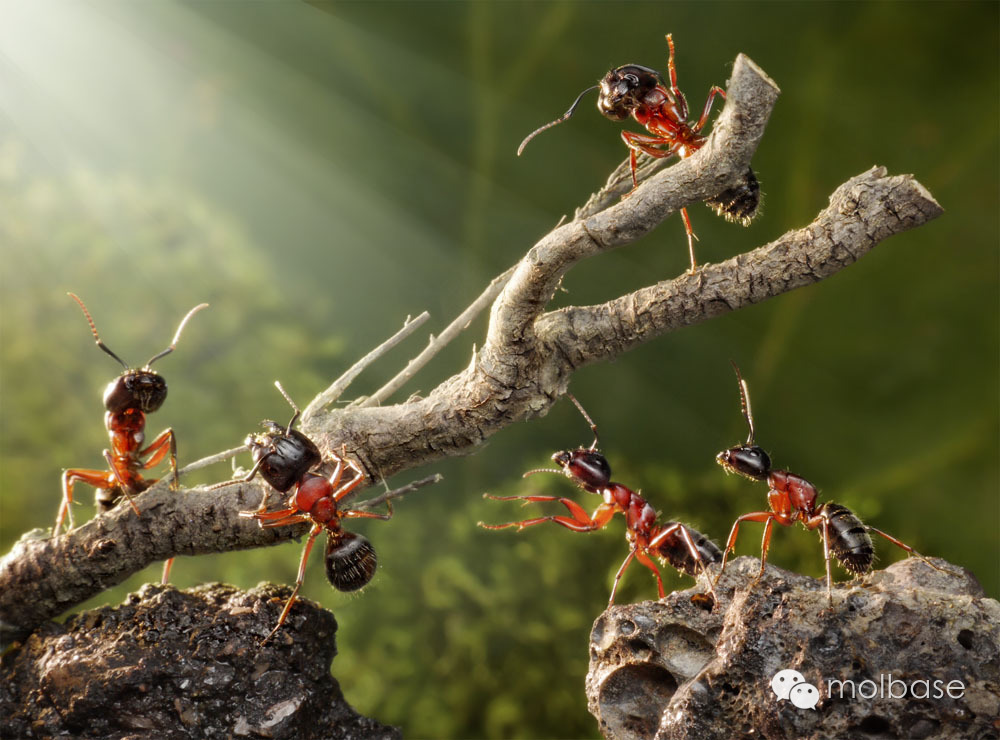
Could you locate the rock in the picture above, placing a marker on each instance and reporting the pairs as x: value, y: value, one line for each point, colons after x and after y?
x: 910, y: 652
x: 176, y: 664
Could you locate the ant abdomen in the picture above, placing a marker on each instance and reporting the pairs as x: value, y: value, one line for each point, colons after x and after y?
x: 849, y: 539
x: 350, y: 560
x: 675, y: 551
x: 739, y: 204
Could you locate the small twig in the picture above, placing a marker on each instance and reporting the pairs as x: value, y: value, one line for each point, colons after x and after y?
x: 210, y: 460
x: 401, y: 491
x: 437, y: 343
x: 334, y: 392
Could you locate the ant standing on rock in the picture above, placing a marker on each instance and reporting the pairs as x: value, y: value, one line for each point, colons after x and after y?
x: 793, y: 499
x: 286, y: 458
x: 640, y: 92
x: 128, y: 398
x: 677, y: 544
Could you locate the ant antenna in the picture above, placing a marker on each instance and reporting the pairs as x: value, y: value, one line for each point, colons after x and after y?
x: 542, y: 470
x: 593, y: 426
x: 745, y: 403
x: 177, y: 336
x: 93, y: 328
x: 556, y: 122
x: 277, y: 384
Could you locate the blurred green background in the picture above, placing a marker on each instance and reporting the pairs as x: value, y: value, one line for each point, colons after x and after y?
x: 319, y: 171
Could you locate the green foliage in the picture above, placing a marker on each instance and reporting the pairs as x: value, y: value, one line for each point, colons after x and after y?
x: 317, y: 173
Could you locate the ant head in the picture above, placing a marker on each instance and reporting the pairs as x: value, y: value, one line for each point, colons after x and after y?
x: 143, y: 390
x: 749, y: 461
x: 282, y: 456
x: 622, y: 90
x: 350, y: 560
x: 746, y: 459
x: 586, y: 466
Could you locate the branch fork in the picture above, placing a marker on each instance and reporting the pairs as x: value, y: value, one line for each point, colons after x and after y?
x: 523, y: 366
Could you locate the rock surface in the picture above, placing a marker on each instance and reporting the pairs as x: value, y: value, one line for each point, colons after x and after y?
x: 176, y: 664
x: 908, y: 638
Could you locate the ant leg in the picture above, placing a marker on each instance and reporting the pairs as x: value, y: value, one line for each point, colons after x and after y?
x: 95, y: 478
x: 826, y: 557
x: 691, y: 239
x: 910, y: 551
x: 686, y: 536
x: 765, y: 545
x: 643, y: 558
x: 167, y: 565
x: 317, y: 528
x: 357, y: 480
x: 676, y: 91
x: 165, y: 442
x: 126, y: 488
x: 619, y: 574
x: 757, y: 516
x: 355, y: 514
x: 580, y: 521
x: 708, y: 107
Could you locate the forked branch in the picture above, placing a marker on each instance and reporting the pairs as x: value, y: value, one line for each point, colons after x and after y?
x: 524, y: 365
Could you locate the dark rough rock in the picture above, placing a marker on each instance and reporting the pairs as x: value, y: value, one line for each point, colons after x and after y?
x: 674, y: 669
x: 173, y: 665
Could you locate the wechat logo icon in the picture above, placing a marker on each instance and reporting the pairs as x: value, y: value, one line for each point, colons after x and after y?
x: 791, y: 685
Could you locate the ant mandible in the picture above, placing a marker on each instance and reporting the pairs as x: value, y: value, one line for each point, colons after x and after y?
x: 681, y: 546
x: 285, y: 457
x: 793, y: 499
x: 127, y: 399
x: 640, y: 92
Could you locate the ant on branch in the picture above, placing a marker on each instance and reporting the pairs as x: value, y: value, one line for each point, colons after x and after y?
x: 640, y: 92
x: 677, y: 544
x: 128, y: 398
x: 286, y: 458
x: 793, y: 499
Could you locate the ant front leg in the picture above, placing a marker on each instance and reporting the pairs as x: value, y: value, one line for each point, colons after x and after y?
x: 674, y: 89
x: 95, y: 478
x: 757, y: 516
x: 580, y: 521
x: 621, y: 572
x: 708, y: 107
x: 164, y: 443
x: 317, y: 528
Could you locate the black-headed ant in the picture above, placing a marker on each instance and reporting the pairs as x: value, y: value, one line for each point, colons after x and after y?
x: 793, y: 499
x: 677, y: 544
x: 286, y: 458
x: 640, y: 92
x: 128, y: 398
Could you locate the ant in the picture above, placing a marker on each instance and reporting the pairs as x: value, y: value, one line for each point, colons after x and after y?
x: 641, y: 92
x: 128, y: 398
x: 677, y: 544
x: 285, y: 457
x: 793, y: 499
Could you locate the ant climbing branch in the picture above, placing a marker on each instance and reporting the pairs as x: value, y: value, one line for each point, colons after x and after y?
x: 518, y: 372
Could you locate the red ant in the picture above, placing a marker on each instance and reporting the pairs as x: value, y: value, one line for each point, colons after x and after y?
x: 677, y: 544
x: 128, y: 398
x: 642, y: 93
x: 285, y: 457
x: 793, y: 499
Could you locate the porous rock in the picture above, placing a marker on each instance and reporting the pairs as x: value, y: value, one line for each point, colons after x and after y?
x: 902, y: 641
x: 176, y: 664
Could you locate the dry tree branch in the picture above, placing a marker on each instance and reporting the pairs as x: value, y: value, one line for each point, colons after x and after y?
x: 524, y: 365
